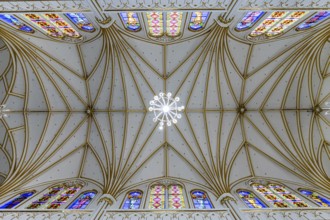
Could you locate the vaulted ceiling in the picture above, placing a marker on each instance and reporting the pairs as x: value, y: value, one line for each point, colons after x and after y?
x: 251, y: 105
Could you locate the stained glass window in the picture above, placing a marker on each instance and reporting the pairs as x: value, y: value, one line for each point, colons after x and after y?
x: 43, y: 24
x: 17, y: 200
x: 313, y: 21
x: 198, y: 20
x: 81, y: 21
x: 63, y: 197
x: 14, y: 22
x: 131, y: 21
x: 249, y: 20
x: 251, y: 200
x: 271, y: 197
x: 55, y: 197
x: 268, y: 23
x: 320, y: 200
x: 173, y: 23
x: 155, y: 23
x: 291, y: 198
x: 133, y: 200
x: 285, y: 23
x: 61, y: 24
x: 157, y: 197
x: 175, y: 198
x: 201, y: 200
x: 83, y: 200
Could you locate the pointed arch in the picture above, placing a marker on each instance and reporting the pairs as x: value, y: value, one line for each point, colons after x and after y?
x: 198, y: 20
x: 131, y: 21
x: 249, y: 20
x: 317, y: 198
x: 56, y: 196
x: 133, y: 200
x: 175, y: 197
x: 201, y: 199
x: 83, y: 200
x: 14, y: 22
x: 81, y: 22
x: 17, y: 200
x: 157, y: 197
x: 250, y: 199
x: 314, y: 20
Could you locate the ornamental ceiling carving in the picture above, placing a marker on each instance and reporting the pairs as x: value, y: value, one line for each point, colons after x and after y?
x: 81, y: 109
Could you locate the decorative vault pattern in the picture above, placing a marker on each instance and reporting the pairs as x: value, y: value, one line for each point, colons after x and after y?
x: 80, y: 110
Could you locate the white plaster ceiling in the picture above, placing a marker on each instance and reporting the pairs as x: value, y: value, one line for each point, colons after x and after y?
x: 49, y: 85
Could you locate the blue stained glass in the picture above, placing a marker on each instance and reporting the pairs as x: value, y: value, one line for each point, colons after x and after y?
x: 81, y: 21
x: 320, y: 200
x: 83, y: 200
x: 251, y: 200
x: 249, y: 20
x: 201, y: 200
x: 133, y: 200
x: 131, y: 21
x: 14, y: 22
x: 313, y: 21
x: 198, y: 20
x: 16, y: 201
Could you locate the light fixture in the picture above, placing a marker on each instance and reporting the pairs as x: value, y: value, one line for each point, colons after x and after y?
x: 3, y: 111
x: 166, y: 109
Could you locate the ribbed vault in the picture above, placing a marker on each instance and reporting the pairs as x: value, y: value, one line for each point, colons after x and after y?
x: 80, y: 110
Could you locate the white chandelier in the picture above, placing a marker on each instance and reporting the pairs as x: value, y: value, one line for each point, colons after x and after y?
x: 3, y: 111
x: 166, y: 109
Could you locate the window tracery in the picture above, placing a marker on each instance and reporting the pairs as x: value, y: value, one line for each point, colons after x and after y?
x: 56, y: 196
x: 277, y: 23
x: 53, y: 25
x: 166, y: 197
x: 278, y: 196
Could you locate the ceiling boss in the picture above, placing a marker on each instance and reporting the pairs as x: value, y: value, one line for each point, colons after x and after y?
x: 166, y: 109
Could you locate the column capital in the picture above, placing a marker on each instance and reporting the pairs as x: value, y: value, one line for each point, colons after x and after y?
x: 107, y: 198
x: 226, y: 197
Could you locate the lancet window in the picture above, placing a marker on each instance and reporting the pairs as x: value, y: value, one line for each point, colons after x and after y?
x: 277, y: 23
x: 83, y: 200
x: 56, y: 196
x: 131, y: 21
x: 316, y: 197
x: 133, y: 200
x: 166, y: 197
x: 249, y: 20
x: 250, y: 199
x: 278, y: 196
x: 14, y: 22
x: 198, y: 20
x: 201, y: 200
x: 17, y: 200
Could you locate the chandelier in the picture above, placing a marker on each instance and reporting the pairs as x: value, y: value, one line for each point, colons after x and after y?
x: 3, y: 111
x: 166, y: 109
